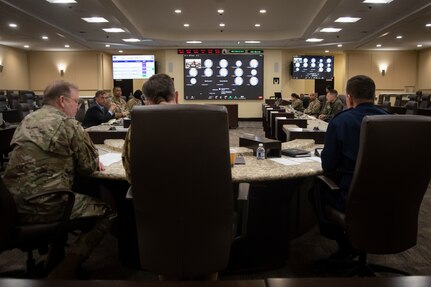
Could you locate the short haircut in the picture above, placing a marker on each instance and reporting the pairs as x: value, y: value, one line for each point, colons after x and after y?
x: 159, y: 88
x: 333, y: 92
x: 116, y: 88
x: 100, y: 93
x: 361, y: 87
x: 294, y: 95
x: 56, y: 89
x: 137, y: 94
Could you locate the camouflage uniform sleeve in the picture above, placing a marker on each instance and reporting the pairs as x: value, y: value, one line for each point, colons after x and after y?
x: 126, y: 155
x: 85, y: 154
x: 125, y: 109
x: 316, y: 107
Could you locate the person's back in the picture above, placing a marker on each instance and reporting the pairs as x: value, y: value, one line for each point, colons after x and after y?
x: 342, y: 136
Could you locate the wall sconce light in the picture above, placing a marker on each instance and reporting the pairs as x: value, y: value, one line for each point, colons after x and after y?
x: 383, y: 69
x: 62, y: 72
x: 1, y: 68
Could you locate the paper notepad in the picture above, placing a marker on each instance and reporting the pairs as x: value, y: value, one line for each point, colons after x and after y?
x: 109, y: 158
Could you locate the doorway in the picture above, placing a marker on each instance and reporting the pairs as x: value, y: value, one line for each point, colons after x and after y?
x: 126, y: 86
x: 321, y: 84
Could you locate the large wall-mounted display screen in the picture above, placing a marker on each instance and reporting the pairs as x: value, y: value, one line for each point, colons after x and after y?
x: 313, y: 67
x: 223, y: 77
x: 133, y: 66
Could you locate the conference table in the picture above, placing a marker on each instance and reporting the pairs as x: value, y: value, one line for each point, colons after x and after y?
x: 279, y: 208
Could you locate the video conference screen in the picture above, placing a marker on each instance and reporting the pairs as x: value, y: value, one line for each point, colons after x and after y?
x: 313, y: 67
x: 223, y: 77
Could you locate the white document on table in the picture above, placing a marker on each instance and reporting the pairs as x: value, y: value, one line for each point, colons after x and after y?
x: 284, y: 160
x: 109, y: 158
x: 315, y: 158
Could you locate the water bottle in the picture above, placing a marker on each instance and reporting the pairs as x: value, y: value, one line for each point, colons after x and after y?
x: 260, y: 152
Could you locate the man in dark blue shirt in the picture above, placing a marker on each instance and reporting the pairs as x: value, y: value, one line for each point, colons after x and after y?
x: 342, y: 137
x: 99, y: 113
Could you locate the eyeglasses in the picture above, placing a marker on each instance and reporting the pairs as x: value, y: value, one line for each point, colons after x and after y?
x: 78, y: 103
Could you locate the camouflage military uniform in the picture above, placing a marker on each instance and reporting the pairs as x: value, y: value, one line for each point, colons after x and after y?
x: 49, y: 147
x: 313, y: 108
x: 121, y: 106
x: 297, y: 105
x: 331, y: 109
x: 133, y: 102
x: 126, y: 155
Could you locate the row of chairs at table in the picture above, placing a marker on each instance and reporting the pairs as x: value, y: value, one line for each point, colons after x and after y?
x: 15, y: 105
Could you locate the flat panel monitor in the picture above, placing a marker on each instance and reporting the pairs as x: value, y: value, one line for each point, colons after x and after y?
x: 133, y: 66
x: 313, y: 67
x: 223, y: 77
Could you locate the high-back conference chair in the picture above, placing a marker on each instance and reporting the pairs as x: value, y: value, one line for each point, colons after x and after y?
x: 182, y: 189
x: 387, y: 189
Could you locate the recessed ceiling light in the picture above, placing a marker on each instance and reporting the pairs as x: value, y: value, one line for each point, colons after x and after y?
x: 330, y: 30
x: 378, y: 45
x: 377, y: 1
x: 61, y: 1
x: 262, y: 11
x: 419, y: 45
x: 220, y: 11
x: 120, y: 51
x: 256, y: 25
x: 186, y: 25
x: 13, y: 25
x: 399, y: 37
x: 339, y: 45
x: 113, y: 30
x: 26, y: 46
x: 428, y: 25
x: 67, y: 46
x: 194, y: 42
x: 252, y: 42
x: 348, y: 19
x: 45, y: 37
x: 95, y: 20
x: 178, y: 11
x: 326, y: 51
x: 314, y: 40
x: 107, y: 45
x: 221, y: 24
x: 131, y: 40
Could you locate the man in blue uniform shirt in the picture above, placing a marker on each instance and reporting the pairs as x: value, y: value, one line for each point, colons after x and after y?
x: 99, y: 113
x: 342, y: 137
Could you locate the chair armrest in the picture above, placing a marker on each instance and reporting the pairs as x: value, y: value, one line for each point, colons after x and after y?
x: 243, y: 206
x: 69, y: 202
x: 329, y: 182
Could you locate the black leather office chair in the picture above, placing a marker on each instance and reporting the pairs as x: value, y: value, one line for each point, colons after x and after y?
x: 30, y: 237
x: 425, y: 101
x: 182, y: 189
x: 411, y: 107
x: 387, y: 189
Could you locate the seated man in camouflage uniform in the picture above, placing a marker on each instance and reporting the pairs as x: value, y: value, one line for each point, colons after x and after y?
x: 122, y: 110
x: 296, y: 102
x: 332, y: 107
x: 49, y: 147
x: 314, y: 106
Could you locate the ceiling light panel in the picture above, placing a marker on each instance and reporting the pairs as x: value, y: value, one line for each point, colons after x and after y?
x: 348, y: 19
x: 95, y: 20
x: 330, y: 30
x: 314, y: 40
x: 194, y: 42
x: 131, y: 40
x: 113, y: 30
x: 377, y: 1
x: 61, y: 1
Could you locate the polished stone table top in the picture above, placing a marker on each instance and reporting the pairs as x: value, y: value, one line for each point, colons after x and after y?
x: 253, y: 171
